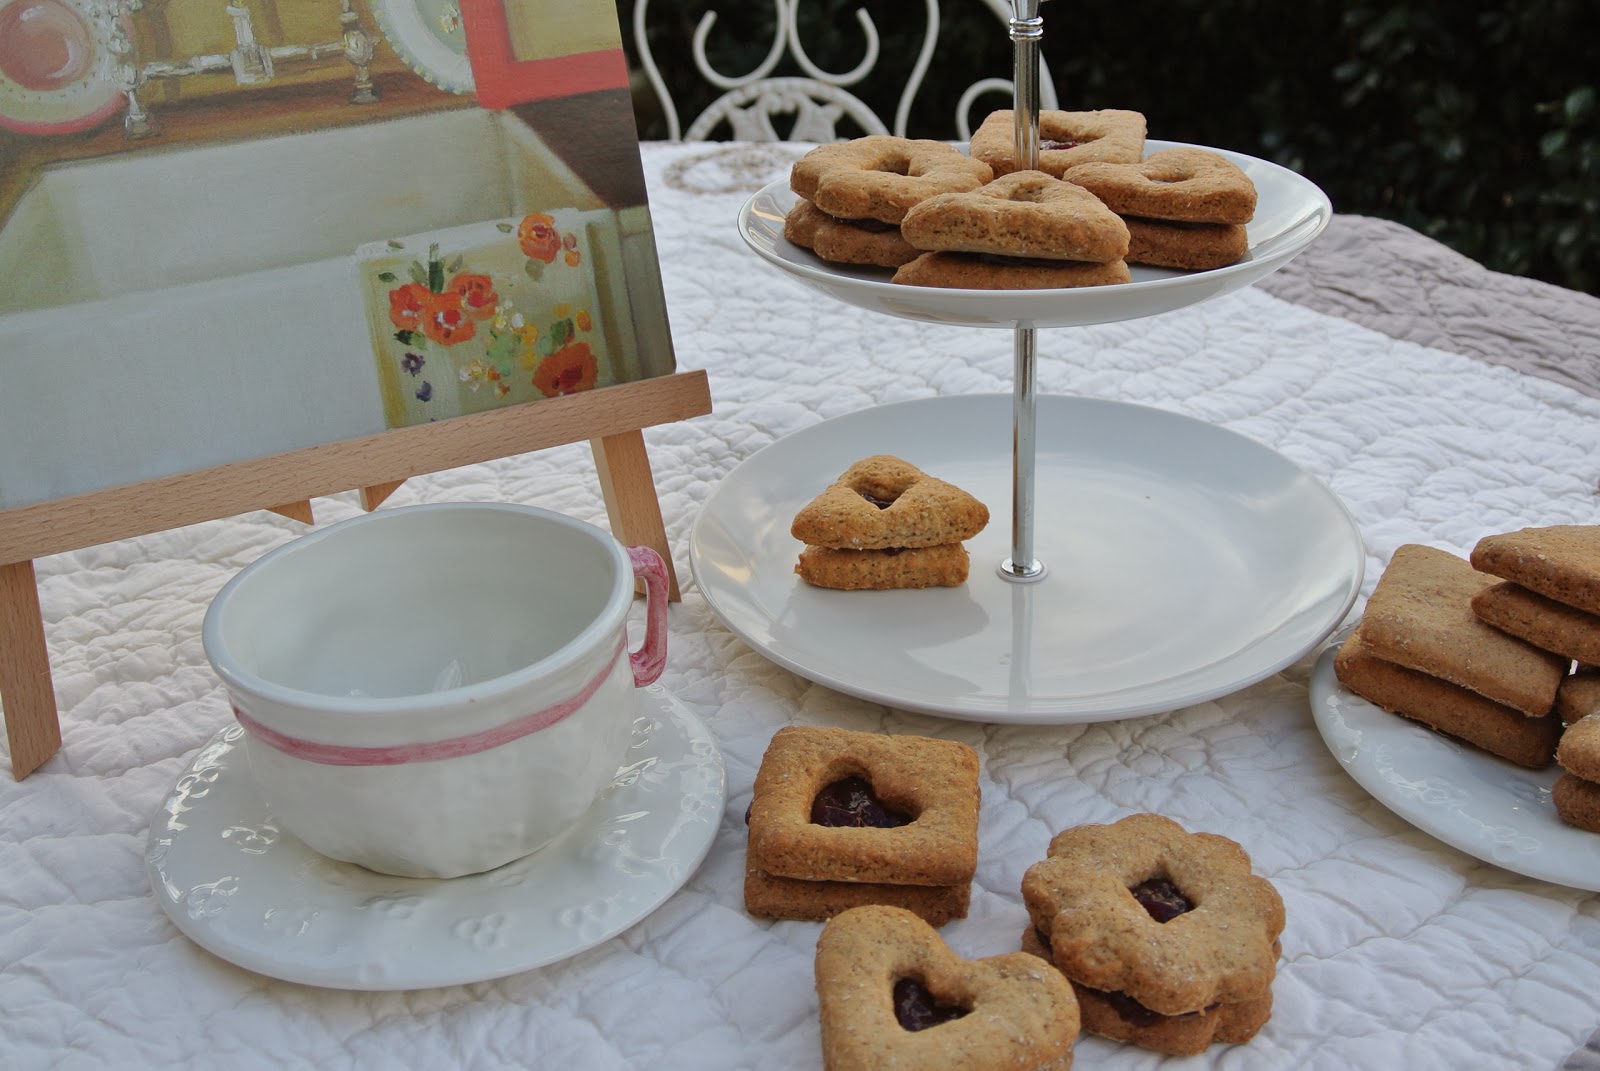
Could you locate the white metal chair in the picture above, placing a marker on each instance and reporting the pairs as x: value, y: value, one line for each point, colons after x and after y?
x: 818, y: 99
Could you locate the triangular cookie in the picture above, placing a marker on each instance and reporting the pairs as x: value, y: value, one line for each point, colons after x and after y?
x: 882, y: 502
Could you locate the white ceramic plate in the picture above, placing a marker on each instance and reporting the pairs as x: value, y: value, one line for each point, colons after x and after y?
x: 1184, y: 562
x: 1491, y: 809
x: 261, y: 899
x: 429, y: 36
x: 1290, y: 212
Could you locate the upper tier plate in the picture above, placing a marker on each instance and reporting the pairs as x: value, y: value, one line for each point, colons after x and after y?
x: 1290, y: 212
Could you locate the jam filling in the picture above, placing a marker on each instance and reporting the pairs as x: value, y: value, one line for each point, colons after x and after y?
x: 1052, y: 143
x: 881, y: 503
x: 916, y: 1008
x: 1018, y: 262
x: 851, y: 802
x: 1162, y: 899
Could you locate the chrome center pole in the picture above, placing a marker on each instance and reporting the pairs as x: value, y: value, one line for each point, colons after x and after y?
x: 1027, y: 29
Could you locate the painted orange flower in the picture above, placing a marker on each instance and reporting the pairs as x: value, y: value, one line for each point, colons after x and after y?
x: 585, y: 323
x: 568, y: 370
x: 444, y: 321
x: 406, y: 305
x: 477, y: 292
x: 573, y: 258
x: 539, y: 238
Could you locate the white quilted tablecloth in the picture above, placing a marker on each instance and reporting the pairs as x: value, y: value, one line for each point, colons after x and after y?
x: 1439, y: 402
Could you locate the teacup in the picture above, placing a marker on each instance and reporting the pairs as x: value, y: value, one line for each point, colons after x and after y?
x: 432, y: 691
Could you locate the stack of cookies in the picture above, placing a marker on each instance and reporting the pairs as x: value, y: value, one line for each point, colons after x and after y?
x: 1421, y: 651
x: 1168, y: 938
x: 853, y: 195
x: 1183, y: 207
x: 842, y: 819
x: 884, y: 523
x: 1576, y: 794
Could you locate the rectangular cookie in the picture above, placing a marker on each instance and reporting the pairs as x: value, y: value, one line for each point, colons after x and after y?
x: 1495, y: 728
x: 1561, y: 562
x: 1420, y: 616
x: 1545, y: 623
x: 1579, y: 695
x: 927, y: 787
x: 769, y: 897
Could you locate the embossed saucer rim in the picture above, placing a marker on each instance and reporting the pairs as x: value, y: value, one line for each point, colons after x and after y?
x: 260, y: 899
x: 1493, y: 810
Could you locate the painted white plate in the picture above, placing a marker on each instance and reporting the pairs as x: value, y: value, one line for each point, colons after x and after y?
x: 259, y: 898
x: 57, y: 71
x: 1290, y: 212
x: 1491, y: 809
x: 1184, y: 562
x: 429, y: 36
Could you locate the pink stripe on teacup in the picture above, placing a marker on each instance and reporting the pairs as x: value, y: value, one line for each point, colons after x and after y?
x: 432, y: 750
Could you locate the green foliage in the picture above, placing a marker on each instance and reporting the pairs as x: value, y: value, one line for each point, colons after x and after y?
x: 1473, y: 122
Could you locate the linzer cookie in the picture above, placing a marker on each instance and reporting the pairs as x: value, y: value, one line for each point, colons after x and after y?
x: 1163, y: 925
x: 892, y: 995
x: 881, y: 177
x: 881, y: 502
x: 1189, y: 246
x: 1065, y: 138
x: 843, y: 241
x: 945, y: 566
x: 1447, y: 707
x: 766, y: 896
x: 1184, y: 208
x: 834, y: 808
x: 1420, y: 617
x: 1115, y: 1016
x: 1023, y: 214
x: 1187, y: 184
x: 1561, y: 562
x: 1545, y: 623
x: 962, y: 271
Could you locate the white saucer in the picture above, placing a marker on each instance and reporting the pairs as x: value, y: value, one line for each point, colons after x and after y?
x: 1185, y: 561
x: 259, y: 898
x: 1491, y: 809
x: 1290, y: 211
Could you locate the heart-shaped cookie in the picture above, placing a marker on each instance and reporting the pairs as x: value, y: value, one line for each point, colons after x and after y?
x: 882, y: 502
x: 894, y: 997
x: 1187, y: 184
x: 1065, y: 139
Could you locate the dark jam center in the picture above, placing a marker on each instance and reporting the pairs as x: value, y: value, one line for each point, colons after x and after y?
x: 916, y: 1008
x: 881, y: 503
x: 1018, y: 262
x: 851, y: 802
x: 1131, y: 1011
x: 1161, y: 899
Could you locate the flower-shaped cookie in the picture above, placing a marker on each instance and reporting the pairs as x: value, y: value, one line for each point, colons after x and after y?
x: 894, y: 997
x: 1173, y: 920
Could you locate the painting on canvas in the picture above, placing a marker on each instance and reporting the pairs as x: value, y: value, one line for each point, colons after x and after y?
x: 306, y: 221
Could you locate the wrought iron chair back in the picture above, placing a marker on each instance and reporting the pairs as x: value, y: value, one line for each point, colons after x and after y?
x: 819, y: 100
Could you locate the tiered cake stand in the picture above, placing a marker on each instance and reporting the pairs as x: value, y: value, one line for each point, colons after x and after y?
x: 1154, y: 560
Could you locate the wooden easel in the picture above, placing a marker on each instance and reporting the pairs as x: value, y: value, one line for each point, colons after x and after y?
x: 612, y: 419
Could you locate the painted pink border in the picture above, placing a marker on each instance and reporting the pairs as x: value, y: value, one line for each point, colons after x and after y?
x: 501, y: 80
x: 432, y: 750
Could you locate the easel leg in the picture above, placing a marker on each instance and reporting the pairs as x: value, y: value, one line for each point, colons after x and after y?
x: 630, y: 493
x: 32, y: 726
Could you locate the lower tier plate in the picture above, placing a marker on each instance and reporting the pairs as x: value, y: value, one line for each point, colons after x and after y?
x: 1185, y: 561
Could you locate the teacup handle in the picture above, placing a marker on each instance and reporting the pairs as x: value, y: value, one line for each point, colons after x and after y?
x: 651, y: 657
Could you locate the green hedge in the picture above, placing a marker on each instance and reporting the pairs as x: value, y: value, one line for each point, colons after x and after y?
x: 1472, y: 122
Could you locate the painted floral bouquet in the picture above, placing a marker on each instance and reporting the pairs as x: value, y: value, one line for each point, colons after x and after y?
x: 485, y: 315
